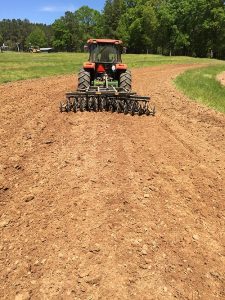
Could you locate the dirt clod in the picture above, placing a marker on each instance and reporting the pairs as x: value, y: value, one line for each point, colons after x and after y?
x: 48, y: 142
x: 23, y: 296
x: 95, y: 248
x: 84, y: 273
x: 93, y: 280
x: 4, y: 223
x: 195, y: 237
x: 28, y: 198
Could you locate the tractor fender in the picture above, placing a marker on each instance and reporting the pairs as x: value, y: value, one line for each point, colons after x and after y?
x: 88, y: 65
x: 121, y: 67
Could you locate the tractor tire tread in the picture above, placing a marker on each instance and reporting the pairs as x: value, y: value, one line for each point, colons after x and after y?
x: 84, y: 79
x: 126, y: 80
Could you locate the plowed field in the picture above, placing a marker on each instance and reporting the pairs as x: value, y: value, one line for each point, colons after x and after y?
x: 107, y: 206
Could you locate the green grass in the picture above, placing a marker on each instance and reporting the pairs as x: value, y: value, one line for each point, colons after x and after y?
x: 144, y: 60
x: 18, y: 66
x: 201, y: 85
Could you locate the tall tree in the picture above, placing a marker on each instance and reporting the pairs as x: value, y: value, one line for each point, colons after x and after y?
x: 72, y: 30
x: 1, y: 39
x: 90, y: 23
x: 36, y: 38
x: 112, y: 13
x: 138, y: 25
x: 190, y: 27
x: 67, y: 33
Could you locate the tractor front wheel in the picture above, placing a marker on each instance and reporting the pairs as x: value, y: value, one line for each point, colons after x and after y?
x: 126, y: 80
x: 84, y: 79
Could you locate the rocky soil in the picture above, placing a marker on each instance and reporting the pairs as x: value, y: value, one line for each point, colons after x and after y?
x: 107, y: 206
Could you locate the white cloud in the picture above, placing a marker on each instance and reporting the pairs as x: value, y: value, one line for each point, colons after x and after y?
x: 52, y: 8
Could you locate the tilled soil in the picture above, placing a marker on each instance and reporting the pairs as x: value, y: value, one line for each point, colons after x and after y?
x: 108, y: 206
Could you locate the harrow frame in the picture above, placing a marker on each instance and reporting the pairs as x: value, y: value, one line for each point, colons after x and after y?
x: 97, y: 98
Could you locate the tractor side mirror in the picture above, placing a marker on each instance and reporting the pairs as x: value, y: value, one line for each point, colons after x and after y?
x: 86, y: 48
x: 124, y: 50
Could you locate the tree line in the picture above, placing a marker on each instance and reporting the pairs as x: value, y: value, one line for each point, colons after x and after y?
x: 169, y: 27
x: 18, y: 33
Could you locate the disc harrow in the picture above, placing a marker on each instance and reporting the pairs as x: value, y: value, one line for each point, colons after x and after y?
x: 107, y: 99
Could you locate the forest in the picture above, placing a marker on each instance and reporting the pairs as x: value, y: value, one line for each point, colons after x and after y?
x: 168, y: 27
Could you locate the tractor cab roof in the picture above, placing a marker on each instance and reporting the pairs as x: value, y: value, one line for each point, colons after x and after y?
x: 104, y: 41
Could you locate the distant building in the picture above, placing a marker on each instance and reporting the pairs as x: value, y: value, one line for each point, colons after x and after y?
x: 46, y: 49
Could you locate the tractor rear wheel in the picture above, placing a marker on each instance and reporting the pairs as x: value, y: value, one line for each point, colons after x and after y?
x: 84, y: 79
x: 126, y: 80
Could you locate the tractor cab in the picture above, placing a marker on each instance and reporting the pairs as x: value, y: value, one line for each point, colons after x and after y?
x: 105, y: 53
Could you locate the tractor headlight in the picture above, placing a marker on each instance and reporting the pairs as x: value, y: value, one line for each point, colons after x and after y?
x: 113, y: 68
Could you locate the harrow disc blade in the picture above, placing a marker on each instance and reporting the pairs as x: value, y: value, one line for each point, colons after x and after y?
x: 81, y: 105
x: 125, y: 109
x: 75, y: 106
x: 68, y: 106
x: 61, y: 107
x: 153, y: 111
x: 100, y: 104
x: 88, y: 107
x: 140, y: 111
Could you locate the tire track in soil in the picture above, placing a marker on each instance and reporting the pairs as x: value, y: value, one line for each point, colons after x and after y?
x: 107, y: 206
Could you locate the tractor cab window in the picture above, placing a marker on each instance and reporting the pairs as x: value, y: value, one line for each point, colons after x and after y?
x: 104, y: 53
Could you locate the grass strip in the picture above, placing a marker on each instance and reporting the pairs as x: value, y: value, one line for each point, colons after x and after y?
x: 202, y: 86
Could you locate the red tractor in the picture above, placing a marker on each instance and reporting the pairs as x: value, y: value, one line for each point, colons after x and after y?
x: 105, y: 65
x: 104, y: 83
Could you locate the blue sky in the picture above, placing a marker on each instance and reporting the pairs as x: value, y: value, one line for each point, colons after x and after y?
x: 43, y: 11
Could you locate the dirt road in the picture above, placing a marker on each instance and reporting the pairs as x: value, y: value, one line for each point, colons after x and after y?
x: 107, y: 206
